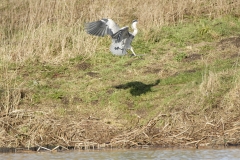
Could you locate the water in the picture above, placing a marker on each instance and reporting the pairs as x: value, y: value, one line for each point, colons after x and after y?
x: 211, y: 154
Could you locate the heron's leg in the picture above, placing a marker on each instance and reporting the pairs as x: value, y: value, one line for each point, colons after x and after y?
x: 132, y: 51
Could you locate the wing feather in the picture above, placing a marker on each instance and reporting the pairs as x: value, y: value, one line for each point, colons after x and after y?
x: 102, y: 27
x: 123, y: 33
x: 95, y: 28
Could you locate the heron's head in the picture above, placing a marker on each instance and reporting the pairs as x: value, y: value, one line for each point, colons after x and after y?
x: 134, y: 27
x: 134, y: 21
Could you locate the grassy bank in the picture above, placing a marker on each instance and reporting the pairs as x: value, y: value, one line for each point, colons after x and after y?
x: 60, y: 86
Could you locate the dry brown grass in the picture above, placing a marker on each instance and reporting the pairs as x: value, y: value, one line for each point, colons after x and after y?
x: 182, y: 129
x: 209, y: 84
x: 53, y: 30
x: 232, y: 100
x: 26, y: 128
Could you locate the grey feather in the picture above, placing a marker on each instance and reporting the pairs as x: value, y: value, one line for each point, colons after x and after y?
x: 123, y: 33
x: 121, y: 37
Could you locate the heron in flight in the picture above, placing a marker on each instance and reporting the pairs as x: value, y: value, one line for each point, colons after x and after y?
x: 121, y: 37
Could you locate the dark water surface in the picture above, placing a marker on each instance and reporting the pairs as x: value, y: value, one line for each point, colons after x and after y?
x: 220, y: 154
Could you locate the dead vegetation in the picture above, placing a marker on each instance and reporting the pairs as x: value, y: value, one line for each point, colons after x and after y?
x: 24, y: 129
x: 21, y: 128
x: 182, y: 129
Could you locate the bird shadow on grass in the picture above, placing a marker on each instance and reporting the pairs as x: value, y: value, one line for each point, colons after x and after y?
x: 138, y: 88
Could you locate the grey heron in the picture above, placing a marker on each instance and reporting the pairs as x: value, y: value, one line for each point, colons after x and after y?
x: 121, y: 37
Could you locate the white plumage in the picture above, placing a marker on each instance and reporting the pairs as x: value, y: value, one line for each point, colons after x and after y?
x: 121, y: 37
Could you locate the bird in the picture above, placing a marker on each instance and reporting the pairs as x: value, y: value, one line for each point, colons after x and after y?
x: 121, y: 37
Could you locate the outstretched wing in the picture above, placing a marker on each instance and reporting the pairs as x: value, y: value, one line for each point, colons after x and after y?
x: 102, y: 27
x: 122, y: 34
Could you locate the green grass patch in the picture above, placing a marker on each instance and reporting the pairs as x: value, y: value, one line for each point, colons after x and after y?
x: 207, y: 30
x: 162, y: 80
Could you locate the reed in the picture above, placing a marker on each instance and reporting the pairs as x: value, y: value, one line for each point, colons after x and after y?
x: 53, y: 30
